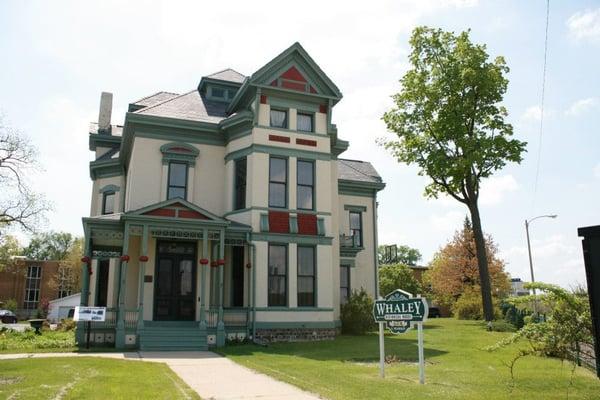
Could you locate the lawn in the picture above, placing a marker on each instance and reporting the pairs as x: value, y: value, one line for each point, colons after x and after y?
x: 29, y: 342
x: 89, y: 378
x: 457, y: 367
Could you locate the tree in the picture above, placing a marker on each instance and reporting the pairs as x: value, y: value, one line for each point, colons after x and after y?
x: 454, y: 269
x: 397, y: 276
x: 18, y: 204
x: 9, y: 248
x: 49, y: 246
x: 449, y: 123
x: 394, y: 254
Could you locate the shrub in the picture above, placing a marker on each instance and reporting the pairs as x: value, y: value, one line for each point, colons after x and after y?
x: 357, y: 313
x: 66, y: 324
x: 502, y: 326
x: 469, y: 305
x: 10, y: 304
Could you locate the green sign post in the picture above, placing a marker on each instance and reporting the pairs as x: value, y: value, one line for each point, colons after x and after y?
x: 397, y: 311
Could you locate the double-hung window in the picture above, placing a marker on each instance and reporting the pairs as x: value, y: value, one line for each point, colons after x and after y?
x: 305, y: 122
x: 344, y: 283
x: 240, y: 184
x: 32, y: 287
x: 277, y: 182
x: 306, y: 276
x: 108, y: 203
x: 177, y: 185
x: 277, y: 292
x: 356, y: 228
x: 279, y: 118
x: 306, y: 185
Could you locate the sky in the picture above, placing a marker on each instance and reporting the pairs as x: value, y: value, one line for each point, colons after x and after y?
x: 57, y: 57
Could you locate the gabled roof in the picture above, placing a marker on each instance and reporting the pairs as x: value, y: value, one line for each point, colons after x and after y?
x: 229, y: 75
x: 189, y: 106
x: 355, y: 170
x: 155, y: 98
x: 297, y: 58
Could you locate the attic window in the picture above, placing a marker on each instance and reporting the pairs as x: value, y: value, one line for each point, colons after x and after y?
x: 218, y: 92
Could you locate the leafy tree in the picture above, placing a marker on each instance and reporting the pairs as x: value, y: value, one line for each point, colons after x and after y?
x: 449, y: 122
x: 397, y: 276
x: 454, y: 269
x: 49, y: 246
x: 9, y: 248
x: 400, y: 254
x: 19, y: 205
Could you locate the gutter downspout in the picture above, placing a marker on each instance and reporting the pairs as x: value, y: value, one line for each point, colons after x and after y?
x: 253, y: 250
x: 376, y: 258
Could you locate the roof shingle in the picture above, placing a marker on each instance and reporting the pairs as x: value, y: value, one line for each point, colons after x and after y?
x: 228, y: 75
x: 355, y: 170
x: 190, y: 106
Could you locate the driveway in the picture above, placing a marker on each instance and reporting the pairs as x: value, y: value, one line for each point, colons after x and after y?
x: 210, y: 375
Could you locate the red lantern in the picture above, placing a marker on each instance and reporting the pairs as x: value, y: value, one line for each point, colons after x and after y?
x: 248, y: 265
x: 143, y: 258
x: 214, y: 264
x: 125, y: 258
x: 221, y: 261
x: 86, y: 259
x: 204, y: 261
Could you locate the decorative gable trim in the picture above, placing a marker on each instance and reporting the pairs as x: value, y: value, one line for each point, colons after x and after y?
x: 179, y: 151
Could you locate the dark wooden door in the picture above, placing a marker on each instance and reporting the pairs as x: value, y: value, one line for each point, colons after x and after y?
x: 237, y: 275
x: 175, y: 287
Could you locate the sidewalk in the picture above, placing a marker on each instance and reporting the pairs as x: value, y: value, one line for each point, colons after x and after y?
x: 210, y: 375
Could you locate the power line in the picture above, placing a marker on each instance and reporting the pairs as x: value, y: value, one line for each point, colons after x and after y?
x: 539, y: 155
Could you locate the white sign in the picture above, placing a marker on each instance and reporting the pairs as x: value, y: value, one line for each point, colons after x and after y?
x: 95, y: 314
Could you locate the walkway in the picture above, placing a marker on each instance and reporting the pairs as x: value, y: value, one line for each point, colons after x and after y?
x: 210, y: 375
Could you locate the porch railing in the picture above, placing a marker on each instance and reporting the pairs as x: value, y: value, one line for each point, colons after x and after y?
x: 232, y: 317
x: 110, y: 322
x: 131, y: 319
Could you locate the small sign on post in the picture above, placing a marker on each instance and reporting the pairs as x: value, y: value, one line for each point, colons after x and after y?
x: 398, y: 310
x: 89, y: 314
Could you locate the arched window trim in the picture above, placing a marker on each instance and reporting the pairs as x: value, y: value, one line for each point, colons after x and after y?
x: 180, y: 152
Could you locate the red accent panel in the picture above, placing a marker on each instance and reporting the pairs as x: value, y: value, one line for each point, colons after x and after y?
x: 307, y: 224
x: 307, y: 142
x: 191, y: 214
x: 323, y: 109
x: 301, y: 87
x: 293, y: 74
x: 312, y: 89
x: 180, y: 149
x: 277, y: 138
x: 162, y: 212
x: 279, y: 221
x: 274, y: 83
x: 263, y: 99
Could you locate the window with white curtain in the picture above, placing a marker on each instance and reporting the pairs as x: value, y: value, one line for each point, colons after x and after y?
x: 278, y: 118
x: 305, y: 122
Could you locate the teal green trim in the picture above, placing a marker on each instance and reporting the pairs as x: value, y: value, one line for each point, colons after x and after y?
x: 291, y: 238
x: 264, y: 222
x: 349, y: 207
x: 355, y: 188
x: 105, y: 169
x: 166, y: 122
x: 321, y: 226
x: 178, y: 151
x: 296, y: 325
x: 294, y: 309
x: 290, y: 210
x: 102, y: 140
x: 351, y: 262
x: 339, y: 146
x: 277, y: 151
x: 286, y: 130
x: 109, y: 188
x: 286, y: 103
x: 186, y: 136
x: 293, y: 224
x: 217, y: 82
x: 237, y: 119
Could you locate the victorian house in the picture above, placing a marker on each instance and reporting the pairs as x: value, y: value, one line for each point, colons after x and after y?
x: 227, y: 212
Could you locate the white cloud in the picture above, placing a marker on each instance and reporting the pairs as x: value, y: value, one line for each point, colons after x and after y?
x: 495, y: 188
x: 597, y: 171
x: 585, y: 25
x: 581, y: 106
x: 448, y: 222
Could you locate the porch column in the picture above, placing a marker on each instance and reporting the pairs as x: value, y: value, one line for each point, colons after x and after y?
x: 220, y: 324
x: 85, y: 284
x: 120, y: 336
x: 203, y: 281
x: 142, y: 264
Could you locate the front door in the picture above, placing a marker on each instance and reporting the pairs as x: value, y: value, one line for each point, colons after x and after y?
x: 175, y: 277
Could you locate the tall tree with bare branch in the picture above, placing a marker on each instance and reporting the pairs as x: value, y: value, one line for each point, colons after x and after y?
x: 19, y: 205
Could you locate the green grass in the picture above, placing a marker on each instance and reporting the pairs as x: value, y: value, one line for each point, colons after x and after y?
x: 89, y: 378
x: 29, y: 342
x: 457, y: 367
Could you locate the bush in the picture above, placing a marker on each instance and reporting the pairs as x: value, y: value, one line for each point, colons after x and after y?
x: 502, y: 326
x: 66, y: 324
x: 469, y: 306
x: 10, y: 304
x: 514, y: 316
x: 357, y: 313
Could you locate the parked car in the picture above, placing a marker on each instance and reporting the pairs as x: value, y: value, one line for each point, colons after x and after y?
x: 8, y: 317
x: 434, y: 312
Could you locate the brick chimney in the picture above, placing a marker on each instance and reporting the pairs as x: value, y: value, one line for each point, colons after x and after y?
x: 105, y: 113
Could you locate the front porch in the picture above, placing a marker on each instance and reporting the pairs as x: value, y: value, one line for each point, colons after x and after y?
x: 172, y: 276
